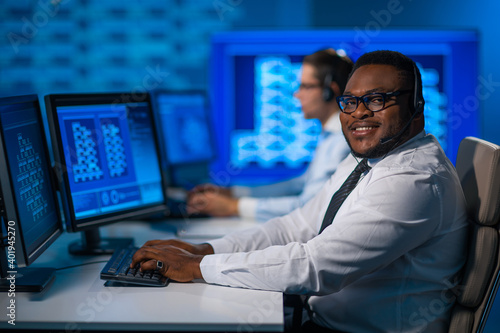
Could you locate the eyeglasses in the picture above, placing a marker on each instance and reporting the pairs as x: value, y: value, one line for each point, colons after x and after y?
x: 372, y: 101
x: 308, y: 86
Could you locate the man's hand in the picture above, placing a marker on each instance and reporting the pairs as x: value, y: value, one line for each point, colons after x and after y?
x: 211, y: 188
x: 212, y: 203
x: 199, y: 249
x: 178, y: 264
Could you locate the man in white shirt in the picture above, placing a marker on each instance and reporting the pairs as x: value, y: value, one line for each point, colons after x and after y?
x: 324, y: 76
x: 389, y: 260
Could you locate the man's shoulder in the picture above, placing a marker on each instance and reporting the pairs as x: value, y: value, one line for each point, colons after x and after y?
x: 423, y: 153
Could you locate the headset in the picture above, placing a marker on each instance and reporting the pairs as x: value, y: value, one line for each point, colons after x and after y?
x: 418, y: 99
x: 418, y: 108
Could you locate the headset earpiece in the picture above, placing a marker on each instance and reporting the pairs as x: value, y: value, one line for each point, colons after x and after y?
x: 418, y: 99
x: 328, y: 93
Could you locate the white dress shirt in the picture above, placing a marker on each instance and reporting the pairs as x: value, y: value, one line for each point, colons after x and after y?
x: 268, y: 201
x: 386, y: 263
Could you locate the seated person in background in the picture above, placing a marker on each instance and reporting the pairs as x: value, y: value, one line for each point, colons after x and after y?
x: 324, y: 75
x: 387, y: 259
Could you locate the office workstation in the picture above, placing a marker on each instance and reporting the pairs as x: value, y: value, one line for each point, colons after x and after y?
x: 111, y: 118
x: 63, y: 290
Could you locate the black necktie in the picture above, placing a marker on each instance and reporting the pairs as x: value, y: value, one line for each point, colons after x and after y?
x: 342, y: 193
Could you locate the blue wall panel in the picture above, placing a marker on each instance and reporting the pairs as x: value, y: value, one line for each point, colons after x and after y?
x: 87, y: 45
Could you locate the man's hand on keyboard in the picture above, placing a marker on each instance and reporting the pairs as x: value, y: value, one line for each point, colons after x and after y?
x: 178, y: 264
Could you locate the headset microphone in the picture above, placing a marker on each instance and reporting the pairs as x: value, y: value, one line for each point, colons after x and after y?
x: 401, y: 132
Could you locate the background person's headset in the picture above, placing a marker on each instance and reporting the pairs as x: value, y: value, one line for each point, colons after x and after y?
x: 328, y: 93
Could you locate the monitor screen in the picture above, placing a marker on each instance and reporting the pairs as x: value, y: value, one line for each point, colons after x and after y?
x: 261, y: 133
x: 27, y: 190
x: 106, y: 154
x: 184, y: 126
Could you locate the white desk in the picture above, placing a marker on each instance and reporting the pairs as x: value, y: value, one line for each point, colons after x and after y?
x: 78, y: 300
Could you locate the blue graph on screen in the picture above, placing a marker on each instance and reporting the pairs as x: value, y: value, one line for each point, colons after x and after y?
x: 85, y: 161
x: 436, y: 101
x: 281, y: 134
x: 28, y: 166
x: 31, y: 179
x: 109, y: 158
x: 114, y: 146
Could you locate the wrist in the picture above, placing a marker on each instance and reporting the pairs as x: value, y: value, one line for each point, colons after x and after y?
x: 235, y: 210
x: 197, y: 267
x: 204, y: 249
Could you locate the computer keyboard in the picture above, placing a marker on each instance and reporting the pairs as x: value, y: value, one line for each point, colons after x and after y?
x: 118, y: 269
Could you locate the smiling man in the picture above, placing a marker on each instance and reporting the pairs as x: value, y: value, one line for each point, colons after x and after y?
x: 379, y: 257
x: 371, y: 133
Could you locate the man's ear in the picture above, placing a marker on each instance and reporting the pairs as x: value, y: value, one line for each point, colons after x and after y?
x: 336, y: 89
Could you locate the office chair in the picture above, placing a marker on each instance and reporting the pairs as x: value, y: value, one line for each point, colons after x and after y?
x: 478, y: 167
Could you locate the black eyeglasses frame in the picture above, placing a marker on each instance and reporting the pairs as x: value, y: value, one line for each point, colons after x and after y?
x: 364, y: 100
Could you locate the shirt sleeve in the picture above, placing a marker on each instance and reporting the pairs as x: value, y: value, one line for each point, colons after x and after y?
x: 292, y: 186
x: 247, y: 207
x: 268, y: 201
x: 328, y: 156
x: 277, y: 257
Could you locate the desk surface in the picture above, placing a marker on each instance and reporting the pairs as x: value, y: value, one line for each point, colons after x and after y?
x: 78, y: 300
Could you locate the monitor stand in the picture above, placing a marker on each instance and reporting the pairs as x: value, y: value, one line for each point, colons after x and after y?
x: 92, y: 244
x: 26, y: 279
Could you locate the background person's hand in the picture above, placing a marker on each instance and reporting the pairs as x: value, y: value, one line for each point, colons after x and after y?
x: 212, y: 203
x: 211, y: 188
x: 199, y: 249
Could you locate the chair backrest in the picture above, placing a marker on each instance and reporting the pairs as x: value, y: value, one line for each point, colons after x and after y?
x: 478, y: 167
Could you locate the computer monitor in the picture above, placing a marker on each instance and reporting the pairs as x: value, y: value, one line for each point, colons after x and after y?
x: 261, y: 133
x: 184, y: 126
x: 107, y: 161
x: 30, y: 215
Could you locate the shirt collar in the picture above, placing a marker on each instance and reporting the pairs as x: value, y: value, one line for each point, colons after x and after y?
x: 373, y: 161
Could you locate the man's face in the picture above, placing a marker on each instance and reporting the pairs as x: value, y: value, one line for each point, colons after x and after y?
x: 310, y: 94
x: 363, y: 129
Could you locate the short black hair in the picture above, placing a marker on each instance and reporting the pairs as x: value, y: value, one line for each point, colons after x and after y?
x: 329, y: 62
x: 406, y: 67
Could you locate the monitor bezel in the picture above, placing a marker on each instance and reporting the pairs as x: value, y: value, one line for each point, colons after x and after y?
x: 11, y: 213
x: 52, y: 101
x: 155, y: 94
